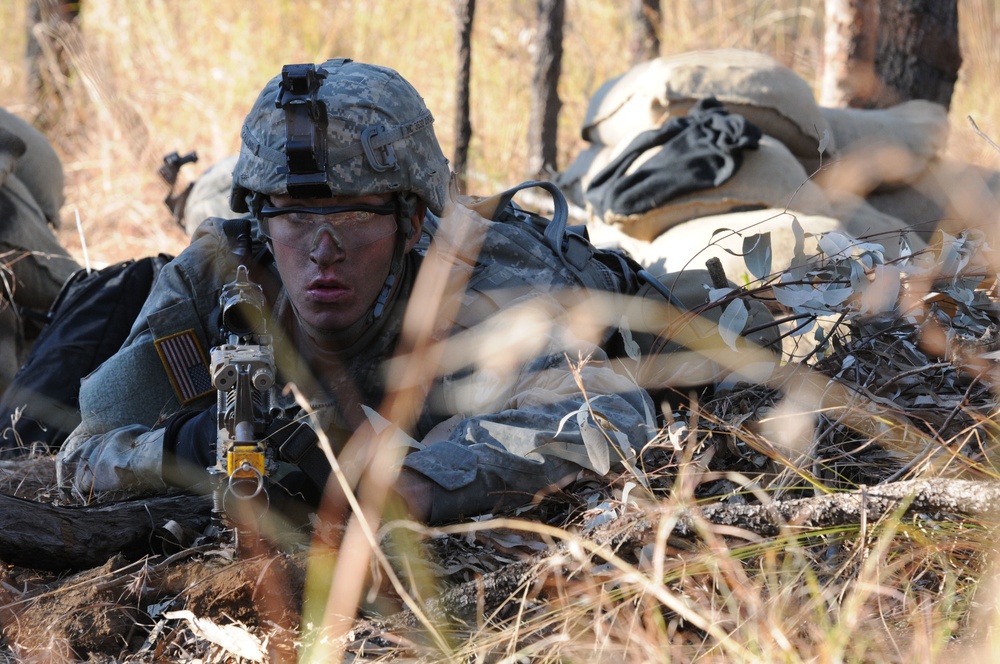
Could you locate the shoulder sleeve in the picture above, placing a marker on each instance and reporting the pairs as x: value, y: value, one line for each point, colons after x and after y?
x: 121, y: 402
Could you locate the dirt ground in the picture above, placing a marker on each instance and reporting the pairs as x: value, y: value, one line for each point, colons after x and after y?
x: 206, y: 602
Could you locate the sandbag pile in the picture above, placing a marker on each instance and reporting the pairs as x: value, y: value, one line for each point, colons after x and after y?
x: 874, y: 174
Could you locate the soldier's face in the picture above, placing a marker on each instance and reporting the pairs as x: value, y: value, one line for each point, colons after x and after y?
x: 333, y: 276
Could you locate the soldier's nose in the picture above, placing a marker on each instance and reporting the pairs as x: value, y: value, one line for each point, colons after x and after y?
x: 326, y: 247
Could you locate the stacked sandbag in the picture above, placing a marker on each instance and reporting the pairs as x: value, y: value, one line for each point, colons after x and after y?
x: 886, y: 157
x: 34, y: 265
x: 948, y: 195
x: 799, y: 167
x: 884, y: 148
x: 895, y: 160
x: 753, y: 85
x: 769, y: 177
x: 750, y: 84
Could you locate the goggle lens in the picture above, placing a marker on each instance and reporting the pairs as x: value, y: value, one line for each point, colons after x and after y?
x: 352, y: 226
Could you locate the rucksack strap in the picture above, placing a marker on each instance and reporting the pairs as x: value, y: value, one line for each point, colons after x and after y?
x: 555, y: 230
x: 571, y: 247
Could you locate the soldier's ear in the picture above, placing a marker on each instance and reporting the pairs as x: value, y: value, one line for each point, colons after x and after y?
x: 416, y: 225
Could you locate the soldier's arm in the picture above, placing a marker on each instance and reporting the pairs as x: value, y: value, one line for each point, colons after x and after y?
x: 532, y: 441
x: 117, y: 444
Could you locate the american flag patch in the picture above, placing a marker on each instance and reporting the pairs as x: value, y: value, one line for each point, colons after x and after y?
x: 186, y: 365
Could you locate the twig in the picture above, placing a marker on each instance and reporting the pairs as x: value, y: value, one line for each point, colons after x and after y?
x: 465, y: 603
x: 982, y: 135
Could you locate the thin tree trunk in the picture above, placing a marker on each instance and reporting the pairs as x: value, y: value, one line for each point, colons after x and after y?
x: 49, y: 22
x: 849, y: 41
x: 878, y: 53
x: 465, y: 12
x: 545, y: 103
x: 646, y: 20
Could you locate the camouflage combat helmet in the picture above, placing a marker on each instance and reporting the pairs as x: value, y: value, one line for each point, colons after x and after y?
x: 341, y: 128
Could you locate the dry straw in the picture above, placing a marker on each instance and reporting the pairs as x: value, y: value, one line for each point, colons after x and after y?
x: 153, y: 77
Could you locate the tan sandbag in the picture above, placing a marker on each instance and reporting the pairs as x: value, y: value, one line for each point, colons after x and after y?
x: 949, y: 195
x: 753, y: 85
x: 690, y: 244
x: 921, y: 208
x: 867, y: 223
x: 883, y: 148
x: 770, y: 177
x: 576, y: 178
x: 39, y: 168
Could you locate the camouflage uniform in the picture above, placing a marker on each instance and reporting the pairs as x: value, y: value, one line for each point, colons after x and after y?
x: 488, y: 435
x: 485, y: 458
x: 34, y: 265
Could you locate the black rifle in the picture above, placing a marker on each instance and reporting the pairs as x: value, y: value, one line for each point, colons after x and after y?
x: 242, y: 372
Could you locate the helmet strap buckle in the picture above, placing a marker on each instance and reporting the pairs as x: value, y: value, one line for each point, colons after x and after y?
x: 381, y: 157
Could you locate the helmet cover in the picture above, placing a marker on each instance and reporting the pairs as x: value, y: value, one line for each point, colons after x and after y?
x: 341, y: 128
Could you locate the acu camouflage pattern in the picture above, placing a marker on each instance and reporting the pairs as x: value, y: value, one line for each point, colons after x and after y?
x: 357, y: 96
x: 487, y: 437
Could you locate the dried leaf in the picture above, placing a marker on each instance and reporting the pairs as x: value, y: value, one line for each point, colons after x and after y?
x: 234, y: 639
x: 732, y: 322
x: 596, y: 443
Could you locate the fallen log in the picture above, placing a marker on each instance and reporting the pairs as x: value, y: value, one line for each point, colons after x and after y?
x: 635, y: 529
x: 46, y: 537
x: 870, y: 503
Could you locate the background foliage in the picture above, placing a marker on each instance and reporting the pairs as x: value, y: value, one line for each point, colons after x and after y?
x: 154, y: 76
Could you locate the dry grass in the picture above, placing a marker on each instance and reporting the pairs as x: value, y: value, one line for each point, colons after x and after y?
x: 157, y: 77
x: 154, y: 77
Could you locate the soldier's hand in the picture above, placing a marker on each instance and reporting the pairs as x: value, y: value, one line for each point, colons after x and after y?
x: 189, y: 441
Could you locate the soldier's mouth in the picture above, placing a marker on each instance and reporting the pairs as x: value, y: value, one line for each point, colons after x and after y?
x: 327, y: 291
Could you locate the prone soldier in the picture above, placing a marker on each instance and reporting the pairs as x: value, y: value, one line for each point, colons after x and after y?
x: 33, y: 264
x: 348, y: 193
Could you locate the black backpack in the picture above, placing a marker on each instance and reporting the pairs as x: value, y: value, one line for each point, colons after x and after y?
x: 87, y: 323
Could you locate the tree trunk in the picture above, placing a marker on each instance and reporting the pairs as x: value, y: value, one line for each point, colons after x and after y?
x: 49, y: 23
x: 465, y: 11
x: 545, y: 103
x: 878, y: 53
x: 918, y: 54
x: 849, y: 53
x: 646, y: 20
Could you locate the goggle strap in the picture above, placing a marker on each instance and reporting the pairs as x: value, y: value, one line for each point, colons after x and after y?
x: 269, y: 211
